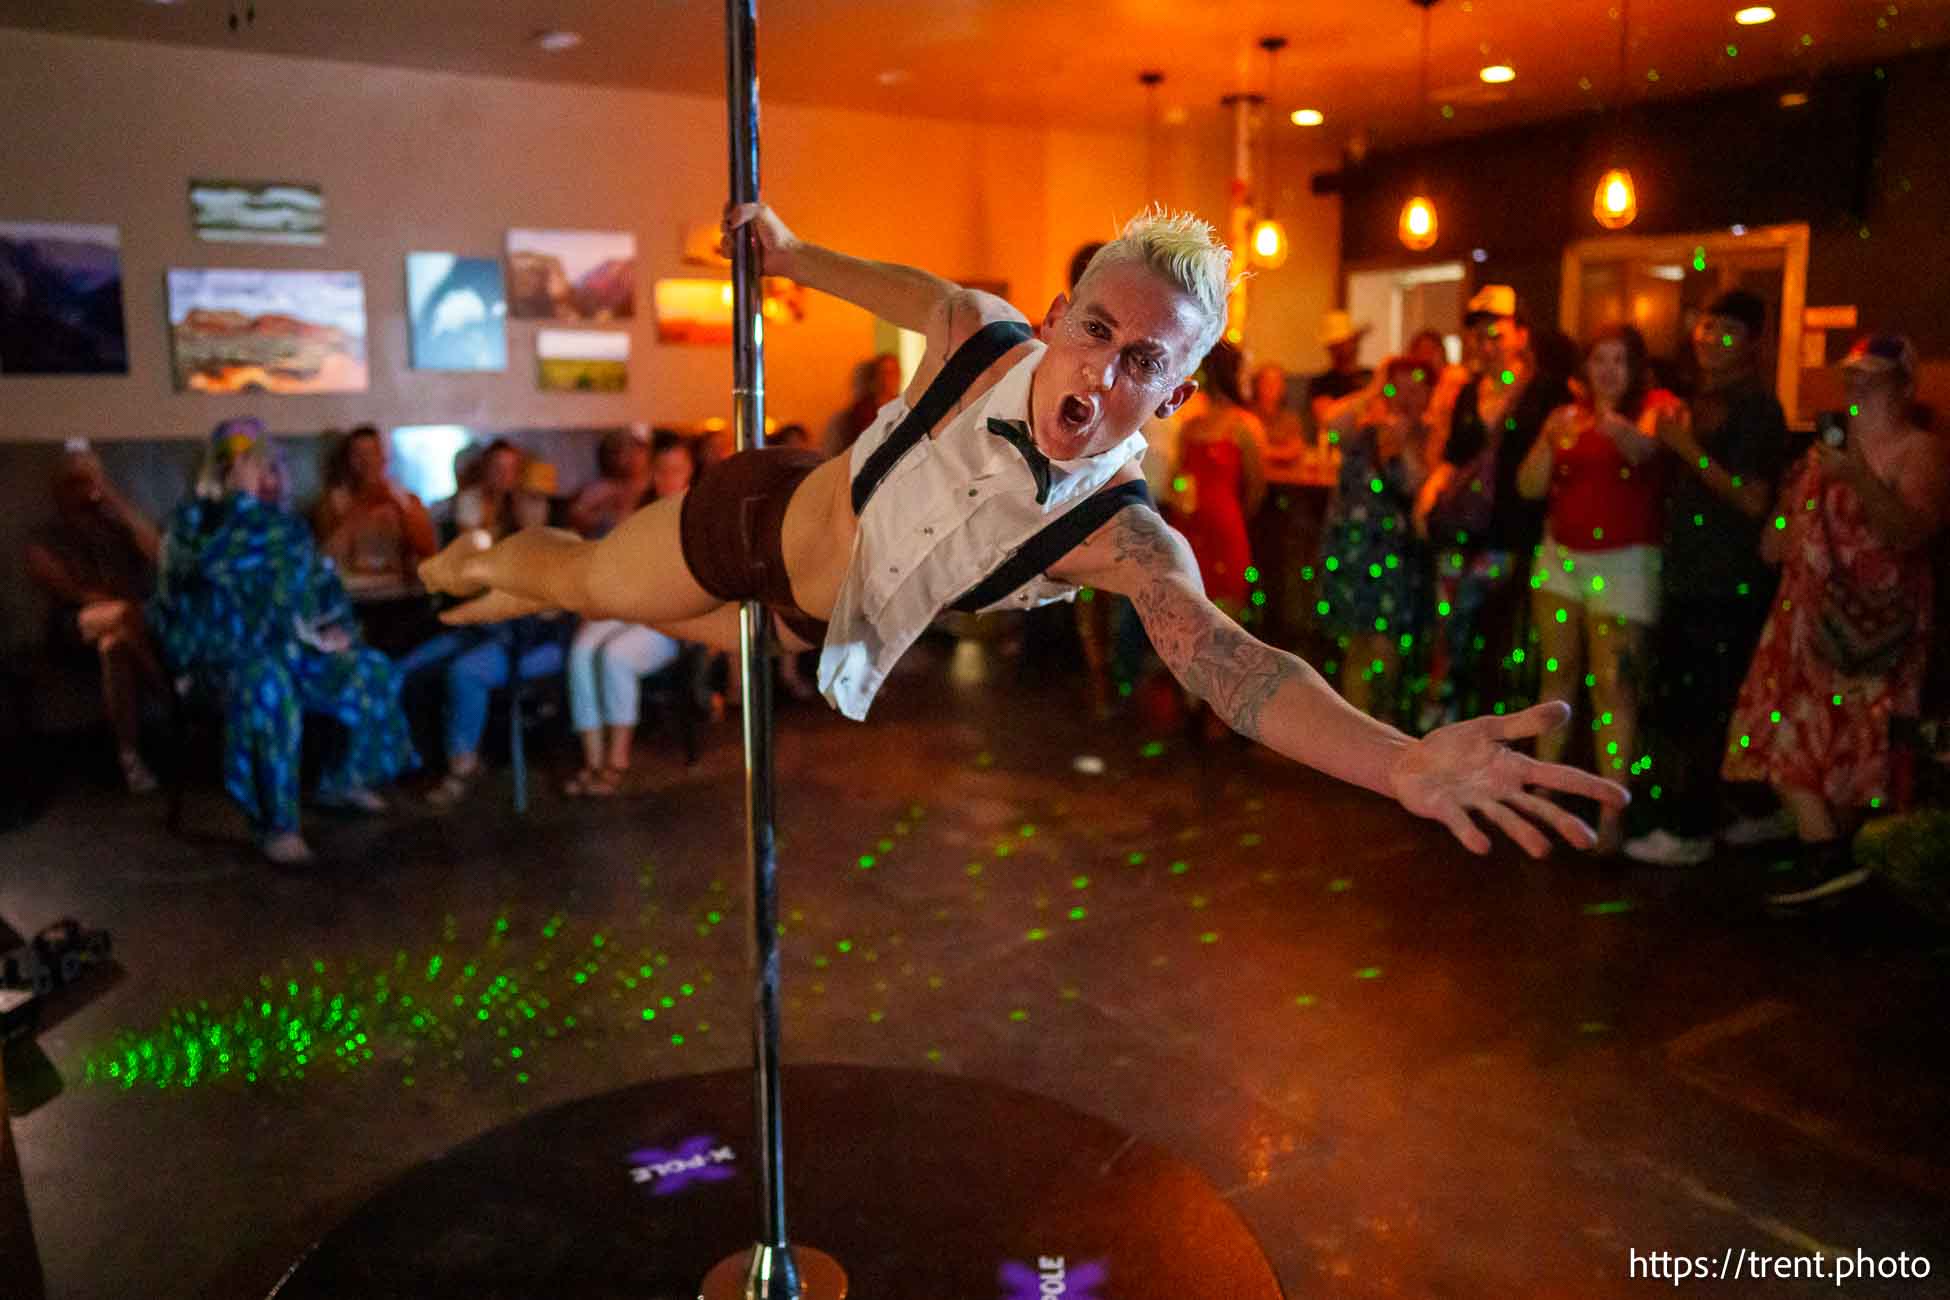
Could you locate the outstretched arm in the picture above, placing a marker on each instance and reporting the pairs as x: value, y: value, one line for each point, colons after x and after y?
x: 1279, y: 700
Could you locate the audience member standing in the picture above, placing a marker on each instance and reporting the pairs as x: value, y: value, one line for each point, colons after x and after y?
x: 248, y: 606
x: 96, y: 562
x: 1341, y: 337
x: 1376, y: 574
x: 1595, y: 589
x: 1726, y: 464
x: 371, y: 527
x: 1481, y: 531
x: 1218, y: 461
x: 609, y: 658
x: 1845, y: 647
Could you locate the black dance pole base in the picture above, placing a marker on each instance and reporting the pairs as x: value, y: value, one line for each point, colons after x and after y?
x: 923, y: 1186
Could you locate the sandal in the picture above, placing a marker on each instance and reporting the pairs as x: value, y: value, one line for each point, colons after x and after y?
x: 582, y: 783
x: 606, y: 784
x: 453, y: 787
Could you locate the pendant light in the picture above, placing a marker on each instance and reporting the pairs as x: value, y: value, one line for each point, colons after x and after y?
x: 1615, y: 203
x: 1268, y: 243
x: 1417, y: 227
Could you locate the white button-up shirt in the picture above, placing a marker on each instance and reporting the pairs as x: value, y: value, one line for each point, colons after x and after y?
x: 950, y: 511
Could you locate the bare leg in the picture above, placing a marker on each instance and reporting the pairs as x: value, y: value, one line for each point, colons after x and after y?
x: 592, y: 748
x: 620, y: 739
x: 1562, y: 645
x: 1617, y: 650
x: 1814, y: 821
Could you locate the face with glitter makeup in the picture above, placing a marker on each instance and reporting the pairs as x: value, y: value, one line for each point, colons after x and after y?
x: 1118, y: 356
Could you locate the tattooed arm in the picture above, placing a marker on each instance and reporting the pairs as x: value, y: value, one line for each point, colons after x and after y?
x: 1279, y: 700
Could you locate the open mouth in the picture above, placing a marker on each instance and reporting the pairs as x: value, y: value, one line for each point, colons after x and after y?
x: 1075, y: 412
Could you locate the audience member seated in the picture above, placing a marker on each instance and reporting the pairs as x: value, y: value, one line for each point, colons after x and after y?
x: 251, y: 611
x: 608, y: 658
x: 1726, y: 464
x: 1376, y: 573
x: 371, y: 527
x: 1595, y: 589
x: 96, y: 561
x: 876, y: 382
x: 1844, y: 651
x: 502, y: 492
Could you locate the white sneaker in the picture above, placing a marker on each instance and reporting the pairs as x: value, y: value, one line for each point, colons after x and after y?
x: 1664, y: 849
x: 1748, y: 831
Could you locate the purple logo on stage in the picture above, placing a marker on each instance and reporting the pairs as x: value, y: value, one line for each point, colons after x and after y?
x: 1052, y: 1278
x: 694, y: 1160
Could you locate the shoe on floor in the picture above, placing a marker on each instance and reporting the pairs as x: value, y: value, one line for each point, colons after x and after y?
x: 1748, y: 831
x: 453, y: 787
x: 1827, y: 871
x: 1662, y: 848
x: 286, y: 849
x: 352, y: 799
x: 136, y: 774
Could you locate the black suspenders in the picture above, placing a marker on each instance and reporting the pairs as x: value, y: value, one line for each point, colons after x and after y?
x: 1054, y: 541
x: 981, y: 351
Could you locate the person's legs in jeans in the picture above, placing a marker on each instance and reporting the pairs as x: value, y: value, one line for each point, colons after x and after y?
x: 585, y: 695
x: 624, y: 659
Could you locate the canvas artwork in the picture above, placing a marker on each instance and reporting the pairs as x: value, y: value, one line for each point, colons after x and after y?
x: 456, y: 312
x: 268, y: 331
x: 61, y: 300
x: 571, y: 275
x: 582, y: 361
x: 258, y: 212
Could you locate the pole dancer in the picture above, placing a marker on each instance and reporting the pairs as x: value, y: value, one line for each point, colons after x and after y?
x: 1005, y: 476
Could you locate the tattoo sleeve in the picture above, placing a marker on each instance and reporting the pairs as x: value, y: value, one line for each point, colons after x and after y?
x: 1215, y: 658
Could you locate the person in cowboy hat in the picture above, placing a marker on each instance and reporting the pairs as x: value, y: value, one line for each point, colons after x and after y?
x: 1341, y: 336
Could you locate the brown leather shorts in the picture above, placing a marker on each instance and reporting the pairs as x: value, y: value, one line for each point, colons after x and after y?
x: 731, y: 526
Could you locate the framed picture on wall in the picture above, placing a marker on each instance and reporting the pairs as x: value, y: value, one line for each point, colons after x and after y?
x: 456, y: 312
x: 237, y: 331
x: 61, y: 300
x: 582, y: 361
x: 571, y: 275
x: 258, y: 212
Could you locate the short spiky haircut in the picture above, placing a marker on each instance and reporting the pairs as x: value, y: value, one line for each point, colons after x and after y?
x: 1187, y: 252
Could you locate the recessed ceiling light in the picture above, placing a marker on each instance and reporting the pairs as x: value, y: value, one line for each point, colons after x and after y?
x: 1754, y: 16
x: 1794, y: 98
x: 1498, y: 73
x: 557, y: 41
x: 1177, y: 115
x: 1308, y: 117
x: 892, y: 76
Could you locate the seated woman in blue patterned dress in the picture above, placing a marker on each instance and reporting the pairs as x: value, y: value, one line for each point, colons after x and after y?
x: 248, y: 607
x: 1375, y: 583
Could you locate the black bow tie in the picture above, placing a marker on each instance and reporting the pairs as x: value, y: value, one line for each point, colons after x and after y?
x: 1016, y: 434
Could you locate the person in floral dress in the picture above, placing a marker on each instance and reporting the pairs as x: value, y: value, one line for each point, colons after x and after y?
x: 1845, y: 648
x: 248, y: 608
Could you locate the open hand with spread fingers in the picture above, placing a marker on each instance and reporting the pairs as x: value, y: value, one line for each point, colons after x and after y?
x: 1469, y: 768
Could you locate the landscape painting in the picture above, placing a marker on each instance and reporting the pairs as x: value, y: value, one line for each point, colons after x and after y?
x: 258, y: 212
x: 61, y: 300
x: 281, y: 332
x: 582, y: 361
x: 571, y: 275
x: 456, y: 312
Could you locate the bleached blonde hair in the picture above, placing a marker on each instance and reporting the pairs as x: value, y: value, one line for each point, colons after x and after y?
x: 1187, y: 252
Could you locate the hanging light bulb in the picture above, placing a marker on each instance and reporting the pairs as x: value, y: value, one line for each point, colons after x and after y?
x: 1417, y: 226
x: 1268, y: 240
x: 1269, y: 243
x: 1616, y: 202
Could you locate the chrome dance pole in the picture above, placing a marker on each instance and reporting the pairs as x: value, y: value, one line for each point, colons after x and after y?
x: 772, y: 1269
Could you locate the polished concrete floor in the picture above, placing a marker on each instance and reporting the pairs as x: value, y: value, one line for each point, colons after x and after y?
x: 1412, y: 1072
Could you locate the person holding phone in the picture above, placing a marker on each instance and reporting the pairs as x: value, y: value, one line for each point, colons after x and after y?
x: 1846, y: 645
x: 1726, y: 456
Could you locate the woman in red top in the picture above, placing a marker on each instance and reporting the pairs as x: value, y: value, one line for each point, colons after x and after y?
x: 1595, y: 588
x: 1219, y: 481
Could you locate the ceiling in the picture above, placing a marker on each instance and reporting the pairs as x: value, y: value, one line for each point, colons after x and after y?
x: 1075, y: 61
